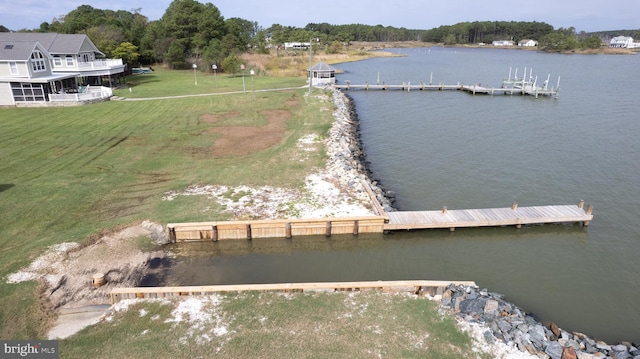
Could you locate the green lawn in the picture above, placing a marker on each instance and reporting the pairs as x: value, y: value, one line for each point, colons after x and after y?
x: 273, y: 325
x: 162, y: 82
x: 69, y: 173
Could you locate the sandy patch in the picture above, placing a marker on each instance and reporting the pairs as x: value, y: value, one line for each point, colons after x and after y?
x: 67, y: 269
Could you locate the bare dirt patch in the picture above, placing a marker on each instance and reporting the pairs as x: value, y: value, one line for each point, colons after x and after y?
x: 243, y: 140
x: 67, y: 268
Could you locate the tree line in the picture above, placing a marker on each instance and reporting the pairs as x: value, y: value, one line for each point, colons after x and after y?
x: 191, y: 32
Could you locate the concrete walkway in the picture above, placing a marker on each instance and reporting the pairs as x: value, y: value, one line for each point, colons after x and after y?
x: 73, y: 320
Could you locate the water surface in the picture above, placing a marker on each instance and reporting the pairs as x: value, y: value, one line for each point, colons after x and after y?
x: 453, y: 149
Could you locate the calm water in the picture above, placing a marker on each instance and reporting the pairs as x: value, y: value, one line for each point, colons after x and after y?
x: 452, y: 149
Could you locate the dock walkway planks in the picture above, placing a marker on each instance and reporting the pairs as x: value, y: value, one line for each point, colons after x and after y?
x: 472, y: 89
x: 487, y: 217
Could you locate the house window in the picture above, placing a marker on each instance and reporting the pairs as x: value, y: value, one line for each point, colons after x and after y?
x: 69, y: 61
x: 14, y: 68
x: 38, y: 62
x: 57, y: 61
x: 27, y: 92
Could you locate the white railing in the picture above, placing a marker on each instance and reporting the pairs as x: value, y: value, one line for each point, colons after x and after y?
x: 100, y: 64
x: 91, y: 93
x: 90, y: 65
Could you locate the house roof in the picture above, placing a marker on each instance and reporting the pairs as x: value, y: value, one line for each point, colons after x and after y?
x: 322, y: 67
x: 55, y: 44
x: 622, y: 38
x: 16, y: 50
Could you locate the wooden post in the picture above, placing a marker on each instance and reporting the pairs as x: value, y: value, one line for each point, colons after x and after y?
x: 452, y: 229
x: 287, y: 229
x: 588, y: 212
x: 356, y: 227
x: 514, y: 206
x: 98, y: 280
x: 214, y: 237
x: 328, y: 229
x: 248, y: 231
x: 581, y: 204
x: 172, y: 234
x: 444, y: 209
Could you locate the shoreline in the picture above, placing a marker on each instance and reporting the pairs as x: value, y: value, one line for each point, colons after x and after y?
x: 347, y: 164
x: 484, y: 315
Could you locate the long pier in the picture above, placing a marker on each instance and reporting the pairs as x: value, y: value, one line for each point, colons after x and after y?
x: 386, y: 221
x: 475, y: 89
x: 488, y: 217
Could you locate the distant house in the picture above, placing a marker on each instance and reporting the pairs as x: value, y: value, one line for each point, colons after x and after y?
x: 502, y: 43
x: 321, y: 73
x: 624, y: 42
x: 48, y: 67
x: 527, y: 43
x: 296, y: 45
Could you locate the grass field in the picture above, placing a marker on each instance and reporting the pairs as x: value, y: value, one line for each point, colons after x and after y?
x: 67, y: 174
x: 70, y: 174
x: 273, y: 325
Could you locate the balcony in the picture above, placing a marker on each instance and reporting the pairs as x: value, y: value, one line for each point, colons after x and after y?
x: 91, y: 68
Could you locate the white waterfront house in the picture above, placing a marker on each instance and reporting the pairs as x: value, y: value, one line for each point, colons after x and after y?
x: 321, y: 74
x: 46, y: 68
x: 527, y: 43
x: 503, y: 43
x: 624, y: 42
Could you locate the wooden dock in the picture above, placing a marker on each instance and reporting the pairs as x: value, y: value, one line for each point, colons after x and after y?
x: 401, y: 87
x: 475, y: 89
x: 386, y: 221
x: 488, y: 217
x: 276, y: 228
x: 478, y: 89
x: 412, y: 286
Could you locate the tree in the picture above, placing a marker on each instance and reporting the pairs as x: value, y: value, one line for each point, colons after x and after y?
x: 194, y: 25
x: 106, y: 38
x: 231, y: 64
x: 243, y: 30
x: 560, y: 40
x: 126, y: 51
x: 592, y: 42
x: 260, y: 41
x: 213, y: 54
x: 153, y: 44
x: 176, y: 55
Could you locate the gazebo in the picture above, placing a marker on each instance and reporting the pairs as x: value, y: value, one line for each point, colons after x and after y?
x: 321, y: 73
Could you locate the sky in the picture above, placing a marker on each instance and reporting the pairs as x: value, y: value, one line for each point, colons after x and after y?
x: 583, y: 15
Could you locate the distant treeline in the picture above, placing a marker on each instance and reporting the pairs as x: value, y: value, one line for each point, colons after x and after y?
x: 191, y: 32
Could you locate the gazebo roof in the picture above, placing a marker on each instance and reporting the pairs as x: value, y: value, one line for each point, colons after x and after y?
x: 322, y: 67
